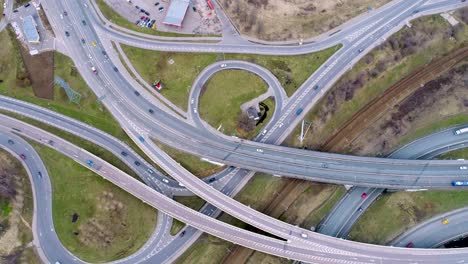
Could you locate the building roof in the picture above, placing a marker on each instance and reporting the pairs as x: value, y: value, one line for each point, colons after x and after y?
x: 176, y: 12
x: 29, y: 28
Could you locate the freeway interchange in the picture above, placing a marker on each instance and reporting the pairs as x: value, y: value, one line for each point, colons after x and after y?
x: 192, y: 136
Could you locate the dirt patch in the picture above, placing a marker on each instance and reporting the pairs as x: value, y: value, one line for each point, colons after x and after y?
x: 439, y: 99
x: 45, y: 22
x: 40, y: 70
x: 293, y: 19
x: 99, y: 231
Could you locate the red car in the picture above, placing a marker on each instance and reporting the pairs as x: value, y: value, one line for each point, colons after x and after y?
x: 363, y: 195
x: 22, y: 156
x: 410, y: 245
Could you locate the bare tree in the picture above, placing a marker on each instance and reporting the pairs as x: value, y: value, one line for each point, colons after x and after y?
x: 245, y: 123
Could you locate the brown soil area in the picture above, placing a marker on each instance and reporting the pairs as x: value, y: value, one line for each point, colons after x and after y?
x: 40, y: 69
x: 437, y: 100
x: 292, y: 19
x: 386, y: 101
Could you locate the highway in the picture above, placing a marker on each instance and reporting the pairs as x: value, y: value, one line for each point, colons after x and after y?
x: 347, y: 211
x: 432, y: 233
x: 134, y: 117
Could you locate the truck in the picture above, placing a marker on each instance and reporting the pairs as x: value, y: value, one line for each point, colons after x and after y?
x: 299, y: 111
x: 94, y: 70
x: 461, y: 131
x: 460, y: 183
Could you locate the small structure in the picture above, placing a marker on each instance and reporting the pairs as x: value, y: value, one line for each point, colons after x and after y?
x: 176, y: 12
x: 157, y: 85
x: 252, y: 113
x: 73, y: 96
x: 30, y: 30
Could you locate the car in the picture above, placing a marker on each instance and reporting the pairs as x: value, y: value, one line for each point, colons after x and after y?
x: 192, y: 101
x: 137, y: 7
x: 124, y: 153
x: 93, y: 43
x: 304, y: 235
x: 360, y: 50
x: 165, y: 180
x: 90, y: 163
x: 363, y: 195
x: 445, y: 221
x: 11, y: 142
x: 104, y: 52
x: 142, y: 17
x: 83, y: 22
x: 360, y: 209
x: 27, y: 5
x: 156, y: 4
x: 115, y: 69
x: 212, y: 180
x: 153, y: 26
x: 161, y: 9
x: 281, y: 124
x: 194, y: 9
x: 410, y: 245
x: 137, y: 163
x: 61, y: 16
x: 15, y: 11
x: 93, y: 69
x: 195, y: 110
x: 142, y: 10
x: 137, y: 22
x: 22, y: 156
x: 260, y: 150
x: 65, y: 13
x: 299, y: 111
x: 137, y: 93
x: 182, y: 233
x: 83, y: 41
x: 85, y: 5
x: 151, y: 111
x: 316, y: 87
x: 264, y: 132
x: 39, y: 174
x: 57, y: 262
x: 147, y: 13
x: 150, y: 171
x: 67, y: 33
x: 463, y: 167
x: 181, y: 184
x: 147, y: 19
x: 51, y: 142
x: 142, y: 139
x: 223, y: 65
x: 460, y: 183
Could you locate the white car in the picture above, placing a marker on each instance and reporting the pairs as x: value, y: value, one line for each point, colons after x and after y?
x: 165, y: 180
x: 61, y: 16
x: 463, y: 167
x: 304, y: 235
x: 260, y: 150
x: 195, y: 110
x: 192, y: 101
x: 264, y: 132
x: 223, y: 65
x: 281, y: 124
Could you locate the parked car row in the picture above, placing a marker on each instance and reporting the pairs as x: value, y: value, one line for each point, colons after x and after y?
x: 146, y: 22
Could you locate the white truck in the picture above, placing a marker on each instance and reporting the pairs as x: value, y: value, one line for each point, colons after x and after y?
x: 461, y: 131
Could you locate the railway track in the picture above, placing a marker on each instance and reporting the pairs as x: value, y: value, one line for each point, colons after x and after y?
x: 374, y: 110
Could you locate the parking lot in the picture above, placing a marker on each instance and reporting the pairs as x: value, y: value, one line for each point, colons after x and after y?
x: 143, y: 12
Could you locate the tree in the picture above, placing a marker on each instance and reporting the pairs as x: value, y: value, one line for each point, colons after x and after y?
x: 245, y: 123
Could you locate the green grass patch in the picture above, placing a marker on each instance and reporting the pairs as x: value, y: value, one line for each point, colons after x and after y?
x: 5, y: 208
x: 194, y: 202
x: 394, y: 213
x: 177, y: 78
x: 117, y: 19
x: 314, y: 218
x: 78, y: 190
x: 223, y: 95
x: 207, y: 250
x: 192, y: 163
x: 456, y: 154
x: 30, y: 256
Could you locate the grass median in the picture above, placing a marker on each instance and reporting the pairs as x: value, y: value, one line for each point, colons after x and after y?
x: 109, y: 223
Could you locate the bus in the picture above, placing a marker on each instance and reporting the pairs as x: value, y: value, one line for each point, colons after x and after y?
x: 461, y: 131
x: 460, y: 183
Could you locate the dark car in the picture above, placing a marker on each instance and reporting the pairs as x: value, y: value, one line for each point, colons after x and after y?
x: 67, y: 33
x: 161, y: 9
x: 156, y: 4
x: 15, y: 11
x: 11, y: 142
x: 151, y: 111
x: 194, y: 9
x: 137, y: 163
x: 65, y: 13
x: 316, y: 87
x: 22, y: 156
x: 410, y: 245
x: 83, y: 41
x: 182, y: 233
x: 115, y: 69
x: 142, y: 10
x: 123, y: 153
x: 137, y: 22
x: 147, y: 13
x: 137, y: 7
x: 83, y: 22
x: 360, y: 209
x: 137, y: 93
x: 363, y: 195
x: 27, y: 5
x: 40, y: 174
x: 104, y: 52
x: 212, y: 180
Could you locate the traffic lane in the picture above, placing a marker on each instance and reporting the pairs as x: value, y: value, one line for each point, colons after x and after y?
x: 433, y: 232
